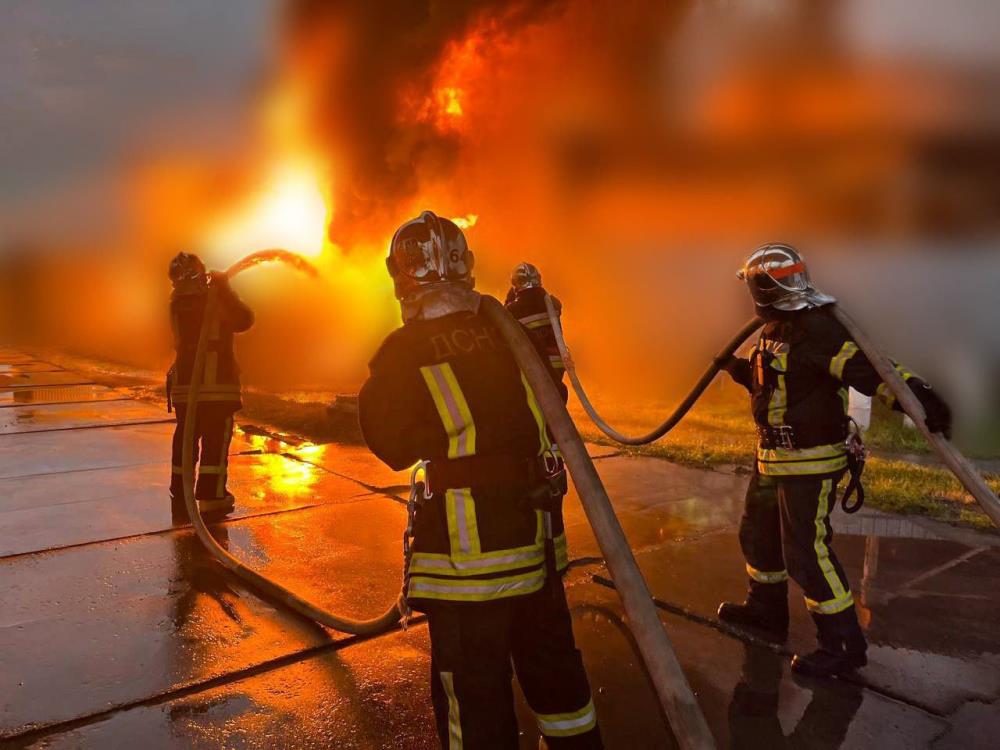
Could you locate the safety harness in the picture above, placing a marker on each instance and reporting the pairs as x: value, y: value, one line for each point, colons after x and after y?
x: 542, y: 479
x: 857, y: 454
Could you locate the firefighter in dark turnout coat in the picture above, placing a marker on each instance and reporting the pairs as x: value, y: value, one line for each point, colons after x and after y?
x: 526, y: 302
x: 220, y: 396
x: 798, y: 375
x: 488, y: 541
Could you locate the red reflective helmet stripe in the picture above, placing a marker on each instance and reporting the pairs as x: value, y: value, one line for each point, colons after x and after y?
x: 780, y: 273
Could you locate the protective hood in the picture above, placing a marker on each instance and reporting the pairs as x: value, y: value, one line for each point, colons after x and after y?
x: 437, y: 300
x: 805, y: 300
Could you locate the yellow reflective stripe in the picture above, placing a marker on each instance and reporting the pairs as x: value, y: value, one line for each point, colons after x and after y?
x: 557, y: 362
x: 227, y: 436
x: 174, y: 469
x: 543, y: 433
x: 476, y: 590
x: 535, y: 321
x: 848, y: 350
x: 779, y: 398
x: 887, y: 396
x: 209, y: 469
x: 845, y: 397
x: 767, y: 576
x: 452, y: 408
x: 562, y: 551
x: 822, y: 459
x: 463, y: 530
x: 830, y: 606
x: 568, y: 724
x: 538, y: 324
x: 802, y: 468
x: 487, y: 562
x: 454, y: 717
x: 840, y: 591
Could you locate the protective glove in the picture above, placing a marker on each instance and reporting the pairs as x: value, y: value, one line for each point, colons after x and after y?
x: 219, y: 280
x: 737, y: 367
x: 938, y: 413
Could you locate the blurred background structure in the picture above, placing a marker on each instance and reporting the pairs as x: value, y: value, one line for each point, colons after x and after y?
x: 636, y: 152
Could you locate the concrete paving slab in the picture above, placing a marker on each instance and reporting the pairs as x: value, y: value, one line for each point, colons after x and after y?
x: 59, y: 510
x: 355, y: 462
x: 41, y: 379
x: 59, y: 394
x: 49, y: 417
x: 34, y: 365
x: 99, y: 448
x: 85, y: 629
x: 375, y: 694
x: 657, y: 501
x: 934, y: 648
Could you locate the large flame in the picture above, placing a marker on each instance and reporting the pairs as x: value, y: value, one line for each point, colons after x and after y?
x: 290, y: 211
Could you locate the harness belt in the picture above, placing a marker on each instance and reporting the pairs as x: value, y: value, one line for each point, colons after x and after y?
x: 541, y: 477
x: 787, y: 437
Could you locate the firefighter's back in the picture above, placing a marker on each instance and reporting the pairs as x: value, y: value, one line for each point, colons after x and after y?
x: 448, y: 391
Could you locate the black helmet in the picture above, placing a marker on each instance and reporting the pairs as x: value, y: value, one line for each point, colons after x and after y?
x: 185, y: 268
x: 777, y: 277
x: 429, y: 250
x: 525, y: 276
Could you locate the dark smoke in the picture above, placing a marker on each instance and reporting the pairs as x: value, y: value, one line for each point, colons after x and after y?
x: 370, y: 65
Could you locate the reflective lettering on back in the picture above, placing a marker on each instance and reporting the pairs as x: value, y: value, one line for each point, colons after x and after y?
x: 466, y: 340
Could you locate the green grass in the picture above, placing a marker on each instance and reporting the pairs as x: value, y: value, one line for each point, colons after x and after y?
x: 720, y: 432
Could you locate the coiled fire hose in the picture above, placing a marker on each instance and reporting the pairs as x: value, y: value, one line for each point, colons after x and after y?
x: 960, y: 466
x: 267, y: 587
x: 682, y: 409
x: 672, y: 688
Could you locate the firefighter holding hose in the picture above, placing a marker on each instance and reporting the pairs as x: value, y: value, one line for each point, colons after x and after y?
x: 526, y: 302
x: 798, y: 375
x: 488, y: 545
x: 220, y: 396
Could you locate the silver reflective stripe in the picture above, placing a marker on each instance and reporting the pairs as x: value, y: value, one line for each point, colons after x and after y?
x: 461, y: 523
x: 470, y: 588
x: 568, y: 724
x: 530, y: 556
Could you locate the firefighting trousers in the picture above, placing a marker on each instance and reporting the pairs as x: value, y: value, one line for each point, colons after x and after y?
x: 785, y: 532
x: 476, y: 648
x: 213, y: 432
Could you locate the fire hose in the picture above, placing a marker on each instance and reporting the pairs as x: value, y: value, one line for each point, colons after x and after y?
x: 675, y: 695
x: 672, y: 688
x: 958, y: 464
x: 263, y: 585
x: 682, y: 409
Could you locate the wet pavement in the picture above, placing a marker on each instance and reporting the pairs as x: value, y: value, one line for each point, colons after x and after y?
x: 118, y: 631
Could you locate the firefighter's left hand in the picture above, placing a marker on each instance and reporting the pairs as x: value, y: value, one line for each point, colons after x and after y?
x: 938, y: 412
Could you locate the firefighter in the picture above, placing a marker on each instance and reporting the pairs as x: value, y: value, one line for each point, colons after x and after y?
x: 219, y: 398
x: 487, y: 547
x: 526, y: 302
x: 798, y: 375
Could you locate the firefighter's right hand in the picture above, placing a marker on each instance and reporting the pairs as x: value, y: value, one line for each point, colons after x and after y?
x: 938, y: 413
x: 218, y: 279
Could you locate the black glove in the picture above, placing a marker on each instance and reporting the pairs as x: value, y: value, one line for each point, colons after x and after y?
x: 938, y: 412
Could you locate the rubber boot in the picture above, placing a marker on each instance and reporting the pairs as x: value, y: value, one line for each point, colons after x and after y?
x: 178, y: 510
x: 842, y: 646
x: 765, y: 610
x: 217, y: 507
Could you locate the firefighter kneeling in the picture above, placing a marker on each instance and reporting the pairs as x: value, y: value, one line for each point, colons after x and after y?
x: 220, y: 396
x: 798, y: 375
x: 488, y: 542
